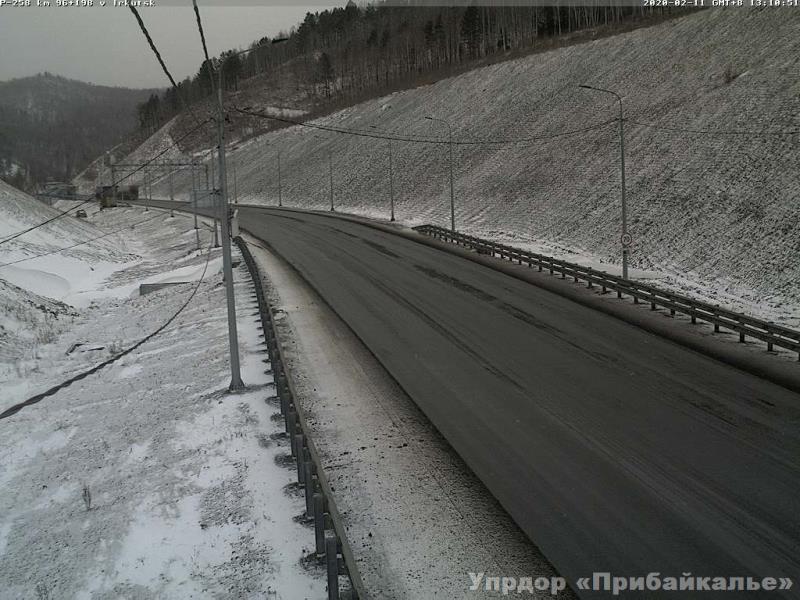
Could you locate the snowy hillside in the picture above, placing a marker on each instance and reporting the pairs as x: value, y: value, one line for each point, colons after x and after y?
x: 38, y: 280
x: 716, y: 213
x: 44, y: 260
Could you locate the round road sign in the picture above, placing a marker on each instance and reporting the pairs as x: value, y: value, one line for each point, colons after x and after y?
x: 626, y: 239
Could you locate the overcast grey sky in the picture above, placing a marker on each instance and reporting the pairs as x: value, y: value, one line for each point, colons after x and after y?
x: 103, y: 45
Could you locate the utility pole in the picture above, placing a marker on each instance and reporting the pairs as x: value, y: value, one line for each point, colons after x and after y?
x: 171, y: 194
x: 146, y: 190
x: 330, y: 171
x: 391, y: 183
x: 113, y: 185
x: 194, y: 207
x: 625, y: 240
x: 391, y: 179
x: 236, y: 378
x: 233, y: 338
x: 235, y: 186
x: 280, y: 191
x: 452, y: 193
x: 213, y: 198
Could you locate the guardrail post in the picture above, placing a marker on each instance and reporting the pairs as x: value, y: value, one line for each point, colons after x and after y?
x: 308, y: 482
x: 301, y: 470
x: 284, y: 396
x: 297, y: 444
x: 332, y: 560
x: 319, y: 524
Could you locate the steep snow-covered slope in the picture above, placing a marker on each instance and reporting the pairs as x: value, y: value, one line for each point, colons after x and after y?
x: 48, y: 260
x: 712, y: 188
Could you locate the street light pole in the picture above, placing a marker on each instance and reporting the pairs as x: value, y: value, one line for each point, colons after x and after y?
x: 452, y: 193
x: 280, y: 190
x: 391, y: 183
x: 625, y: 239
x: 330, y: 171
x: 233, y: 338
x: 391, y: 179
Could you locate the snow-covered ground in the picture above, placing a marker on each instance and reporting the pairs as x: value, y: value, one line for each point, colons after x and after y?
x: 147, y: 479
x: 69, y: 275
x: 713, y: 214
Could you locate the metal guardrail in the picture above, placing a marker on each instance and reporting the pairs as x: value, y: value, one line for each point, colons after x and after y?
x: 329, y: 533
x: 745, y: 326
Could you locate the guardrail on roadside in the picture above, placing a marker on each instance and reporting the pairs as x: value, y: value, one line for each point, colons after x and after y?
x: 745, y: 326
x: 329, y: 532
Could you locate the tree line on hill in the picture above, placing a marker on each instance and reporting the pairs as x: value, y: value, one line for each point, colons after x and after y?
x: 52, y: 127
x: 351, y: 53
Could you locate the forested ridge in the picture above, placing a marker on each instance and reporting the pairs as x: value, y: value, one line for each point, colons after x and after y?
x: 52, y: 127
x: 344, y: 55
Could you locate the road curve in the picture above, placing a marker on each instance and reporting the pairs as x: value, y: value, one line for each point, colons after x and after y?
x: 613, y: 449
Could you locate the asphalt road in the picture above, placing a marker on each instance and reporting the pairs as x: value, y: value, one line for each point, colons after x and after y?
x: 613, y: 449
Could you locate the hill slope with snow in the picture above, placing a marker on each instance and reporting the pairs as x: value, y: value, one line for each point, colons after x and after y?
x: 53, y: 260
x: 712, y: 175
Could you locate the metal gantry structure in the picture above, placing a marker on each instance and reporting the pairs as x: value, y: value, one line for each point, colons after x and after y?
x: 171, y: 167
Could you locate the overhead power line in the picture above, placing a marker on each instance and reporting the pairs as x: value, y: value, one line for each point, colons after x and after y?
x: 152, y: 44
x: 422, y: 140
x: 202, y: 38
x: 153, y: 47
x: 751, y: 133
